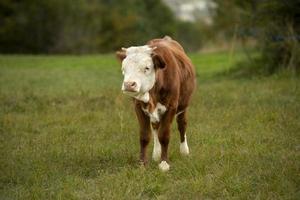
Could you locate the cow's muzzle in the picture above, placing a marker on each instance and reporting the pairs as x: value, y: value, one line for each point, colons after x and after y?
x: 130, y: 86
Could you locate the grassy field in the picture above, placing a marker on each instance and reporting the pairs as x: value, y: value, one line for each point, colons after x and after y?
x: 67, y: 132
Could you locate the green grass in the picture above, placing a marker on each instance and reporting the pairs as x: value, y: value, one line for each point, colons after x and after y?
x: 67, y: 132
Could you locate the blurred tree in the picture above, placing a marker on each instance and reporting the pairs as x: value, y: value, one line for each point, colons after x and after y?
x: 279, y: 25
x: 81, y: 26
x: 190, y: 35
x: 24, y: 26
x: 275, y: 24
x: 133, y: 22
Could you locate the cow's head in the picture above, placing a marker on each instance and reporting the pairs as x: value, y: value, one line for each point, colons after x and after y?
x: 139, y: 65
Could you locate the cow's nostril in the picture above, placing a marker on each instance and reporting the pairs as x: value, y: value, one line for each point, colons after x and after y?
x: 130, y: 86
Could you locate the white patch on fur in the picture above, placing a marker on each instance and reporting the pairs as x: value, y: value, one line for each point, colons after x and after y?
x: 143, y: 97
x: 161, y: 109
x: 158, y: 111
x: 164, y: 166
x: 156, y: 154
x: 184, y: 148
x: 138, y: 67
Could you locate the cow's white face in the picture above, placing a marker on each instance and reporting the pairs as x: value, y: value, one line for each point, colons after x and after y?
x: 139, y: 73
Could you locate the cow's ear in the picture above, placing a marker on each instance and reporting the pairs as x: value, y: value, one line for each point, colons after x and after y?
x: 158, y: 61
x: 121, y: 55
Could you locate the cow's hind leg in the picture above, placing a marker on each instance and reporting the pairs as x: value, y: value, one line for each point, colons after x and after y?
x: 182, y: 123
x: 144, y: 141
x: 156, y: 154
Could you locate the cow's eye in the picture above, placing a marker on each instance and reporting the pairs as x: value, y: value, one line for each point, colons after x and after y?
x: 147, y: 69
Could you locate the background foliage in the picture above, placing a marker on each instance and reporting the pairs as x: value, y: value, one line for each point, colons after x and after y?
x: 93, y: 26
x: 273, y: 24
x: 80, y: 26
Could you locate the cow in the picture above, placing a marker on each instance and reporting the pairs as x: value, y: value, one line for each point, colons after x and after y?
x: 161, y: 79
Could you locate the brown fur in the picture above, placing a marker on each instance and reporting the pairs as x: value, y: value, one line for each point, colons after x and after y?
x: 175, y: 83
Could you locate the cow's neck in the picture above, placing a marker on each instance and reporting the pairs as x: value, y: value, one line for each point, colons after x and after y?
x: 151, y: 103
x: 150, y: 99
x: 144, y: 97
x: 147, y: 97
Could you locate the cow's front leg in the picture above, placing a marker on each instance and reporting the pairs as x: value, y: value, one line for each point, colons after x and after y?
x: 145, y: 133
x: 144, y: 141
x: 164, y: 137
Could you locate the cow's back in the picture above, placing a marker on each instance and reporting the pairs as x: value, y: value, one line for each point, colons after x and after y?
x: 180, y: 62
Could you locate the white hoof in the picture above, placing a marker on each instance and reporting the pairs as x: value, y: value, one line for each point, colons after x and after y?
x: 184, y: 148
x: 164, y: 166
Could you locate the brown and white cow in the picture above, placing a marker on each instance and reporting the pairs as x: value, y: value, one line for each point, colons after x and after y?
x: 161, y: 79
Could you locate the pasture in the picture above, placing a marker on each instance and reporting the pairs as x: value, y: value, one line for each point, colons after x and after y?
x: 67, y: 132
